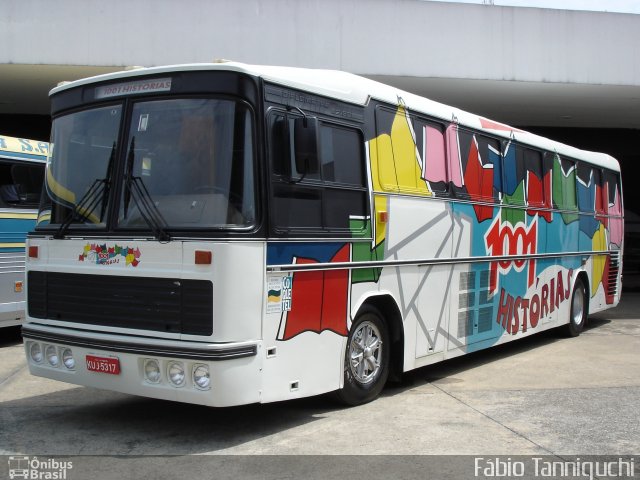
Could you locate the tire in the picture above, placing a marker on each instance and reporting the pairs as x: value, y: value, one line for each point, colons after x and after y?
x: 366, y: 361
x: 579, y: 309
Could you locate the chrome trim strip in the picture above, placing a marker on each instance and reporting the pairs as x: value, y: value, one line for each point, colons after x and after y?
x: 189, y: 353
x: 432, y: 261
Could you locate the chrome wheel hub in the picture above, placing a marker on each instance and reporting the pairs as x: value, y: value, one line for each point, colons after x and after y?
x: 365, y: 352
x: 577, y: 307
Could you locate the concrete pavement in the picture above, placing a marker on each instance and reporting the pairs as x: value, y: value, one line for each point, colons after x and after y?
x: 544, y: 395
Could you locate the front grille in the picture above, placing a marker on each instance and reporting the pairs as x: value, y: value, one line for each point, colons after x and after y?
x: 612, y: 278
x: 159, y: 304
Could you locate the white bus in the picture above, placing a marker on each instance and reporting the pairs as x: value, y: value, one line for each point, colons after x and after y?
x: 22, y: 163
x: 225, y: 234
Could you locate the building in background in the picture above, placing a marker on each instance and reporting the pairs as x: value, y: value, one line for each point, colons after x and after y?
x: 570, y: 75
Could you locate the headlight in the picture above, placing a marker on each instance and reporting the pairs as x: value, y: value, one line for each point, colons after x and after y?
x: 176, y: 373
x: 201, y: 376
x: 51, y: 353
x: 35, y: 352
x: 151, y: 370
x: 67, y: 359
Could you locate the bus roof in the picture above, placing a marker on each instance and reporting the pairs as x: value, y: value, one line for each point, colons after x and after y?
x: 360, y: 90
x: 23, y: 149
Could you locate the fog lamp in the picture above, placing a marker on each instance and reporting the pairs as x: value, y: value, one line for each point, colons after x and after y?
x: 51, y: 353
x: 67, y: 359
x: 201, y: 376
x: 176, y: 373
x: 35, y: 352
x: 151, y: 370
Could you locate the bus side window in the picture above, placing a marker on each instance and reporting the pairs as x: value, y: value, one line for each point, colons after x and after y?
x: 586, y: 187
x: 536, y: 187
x: 409, y: 154
x: 602, y: 192
x: 430, y: 143
x: 614, y: 208
x: 21, y: 185
x: 317, y: 202
x: 513, y: 174
x: 381, y: 152
x: 340, y: 156
x: 479, y: 157
x: 563, y: 182
x: 612, y: 180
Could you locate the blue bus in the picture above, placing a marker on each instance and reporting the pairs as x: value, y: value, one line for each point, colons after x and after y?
x: 22, y: 164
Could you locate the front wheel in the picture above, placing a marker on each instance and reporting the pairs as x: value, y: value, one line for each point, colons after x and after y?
x: 579, y: 309
x: 366, y: 362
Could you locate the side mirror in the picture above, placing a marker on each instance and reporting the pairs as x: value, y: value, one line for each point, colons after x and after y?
x: 305, y: 140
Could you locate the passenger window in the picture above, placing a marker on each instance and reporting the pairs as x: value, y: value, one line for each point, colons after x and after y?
x: 602, y: 195
x: 564, y: 183
x: 479, y: 158
x: 587, y: 190
x: 612, y: 182
x: 20, y: 184
x: 340, y: 155
x: 535, y: 184
x: 513, y: 174
x: 430, y: 142
x: 408, y: 154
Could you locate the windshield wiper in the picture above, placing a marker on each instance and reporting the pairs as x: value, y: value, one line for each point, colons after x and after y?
x: 136, y: 190
x: 97, y: 194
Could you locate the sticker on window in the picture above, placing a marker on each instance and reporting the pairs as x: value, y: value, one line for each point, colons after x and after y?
x: 143, y: 122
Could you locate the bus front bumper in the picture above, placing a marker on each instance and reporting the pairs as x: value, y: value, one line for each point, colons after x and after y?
x: 210, y: 374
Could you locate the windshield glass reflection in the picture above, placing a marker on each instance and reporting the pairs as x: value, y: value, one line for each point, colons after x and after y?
x: 192, y: 161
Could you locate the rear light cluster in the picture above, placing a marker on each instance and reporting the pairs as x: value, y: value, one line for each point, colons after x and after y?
x: 52, y: 355
x: 176, y: 373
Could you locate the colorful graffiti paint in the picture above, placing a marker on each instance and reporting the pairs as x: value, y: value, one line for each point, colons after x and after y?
x: 104, y: 255
x: 319, y: 299
x: 499, y: 199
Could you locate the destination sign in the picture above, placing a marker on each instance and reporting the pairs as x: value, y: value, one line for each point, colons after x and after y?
x: 132, y: 88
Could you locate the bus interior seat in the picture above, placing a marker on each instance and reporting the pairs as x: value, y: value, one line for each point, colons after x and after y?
x: 27, y: 189
x: 9, y: 193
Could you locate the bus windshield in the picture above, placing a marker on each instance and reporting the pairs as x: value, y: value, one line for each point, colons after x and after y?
x: 83, y: 145
x: 185, y: 164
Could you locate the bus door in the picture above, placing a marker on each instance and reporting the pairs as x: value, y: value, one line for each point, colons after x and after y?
x: 409, y: 176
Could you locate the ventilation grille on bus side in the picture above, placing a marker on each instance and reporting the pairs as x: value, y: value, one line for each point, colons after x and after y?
x: 159, y: 304
x: 12, y: 262
x: 614, y: 269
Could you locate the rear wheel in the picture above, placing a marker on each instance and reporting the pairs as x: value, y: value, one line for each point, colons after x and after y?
x: 579, y: 309
x: 366, y: 363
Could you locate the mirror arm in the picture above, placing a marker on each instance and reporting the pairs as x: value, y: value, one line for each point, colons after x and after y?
x: 304, y: 115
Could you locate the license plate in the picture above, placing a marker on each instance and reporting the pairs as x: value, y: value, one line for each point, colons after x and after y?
x: 108, y: 365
